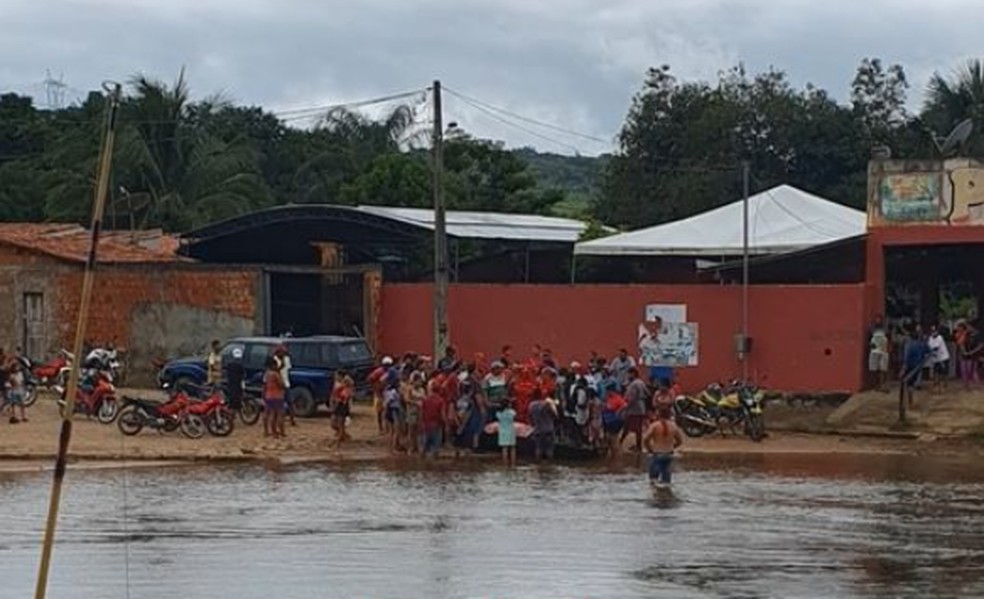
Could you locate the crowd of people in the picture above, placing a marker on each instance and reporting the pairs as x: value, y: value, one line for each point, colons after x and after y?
x: 922, y: 355
x: 422, y: 405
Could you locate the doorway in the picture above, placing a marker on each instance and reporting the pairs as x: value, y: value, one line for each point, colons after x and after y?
x: 32, y: 336
x: 315, y: 302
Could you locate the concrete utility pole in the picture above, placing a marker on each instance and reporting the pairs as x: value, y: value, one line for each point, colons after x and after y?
x: 440, y: 233
x: 744, y: 272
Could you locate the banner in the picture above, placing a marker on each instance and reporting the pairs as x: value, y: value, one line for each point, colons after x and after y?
x: 672, y: 344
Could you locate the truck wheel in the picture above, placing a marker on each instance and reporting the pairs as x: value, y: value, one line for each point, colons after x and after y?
x: 302, y: 402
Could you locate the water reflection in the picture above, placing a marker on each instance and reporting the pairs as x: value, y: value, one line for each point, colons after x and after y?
x: 763, y: 526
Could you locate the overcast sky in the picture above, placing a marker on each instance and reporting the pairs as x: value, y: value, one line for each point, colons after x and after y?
x: 573, y: 63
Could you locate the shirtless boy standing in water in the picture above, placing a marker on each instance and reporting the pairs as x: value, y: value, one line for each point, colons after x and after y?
x: 661, y: 439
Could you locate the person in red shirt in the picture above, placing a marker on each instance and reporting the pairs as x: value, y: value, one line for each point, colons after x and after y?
x: 432, y: 420
x: 613, y: 420
x: 341, y: 398
x: 524, y: 385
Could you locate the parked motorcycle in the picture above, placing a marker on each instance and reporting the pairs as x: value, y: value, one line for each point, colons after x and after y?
x: 106, y: 359
x: 738, y: 406
x: 219, y: 419
x: 95, y: 396
x: 30, y: 380
x: 163, y: 417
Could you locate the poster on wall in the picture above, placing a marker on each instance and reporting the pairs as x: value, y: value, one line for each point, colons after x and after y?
x: 666, y: 312
x: 672, y: 344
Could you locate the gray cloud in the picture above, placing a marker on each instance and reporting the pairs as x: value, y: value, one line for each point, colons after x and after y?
x: 575, y: 63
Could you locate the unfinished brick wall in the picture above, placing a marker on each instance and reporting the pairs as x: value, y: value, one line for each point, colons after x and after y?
x: 160, y: 310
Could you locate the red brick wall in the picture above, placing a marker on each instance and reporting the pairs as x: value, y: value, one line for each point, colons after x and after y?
x: 119, y: 289
x: 806, y: 338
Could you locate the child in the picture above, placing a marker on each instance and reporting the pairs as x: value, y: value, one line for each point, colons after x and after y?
x: 507, y: 433
x: 418, y: 391
x: 274, y: 392
x: 16, y: 392
x: 341, y: 396
x: 393, y: 405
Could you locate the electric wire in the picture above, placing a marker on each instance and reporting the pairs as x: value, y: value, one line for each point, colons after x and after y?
x: 532, y: 121
x: 526, y: 130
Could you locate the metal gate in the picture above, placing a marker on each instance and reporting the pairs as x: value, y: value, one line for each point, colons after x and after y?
x: 33, y: 342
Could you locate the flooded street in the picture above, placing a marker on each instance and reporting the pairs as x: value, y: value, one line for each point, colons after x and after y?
x: 750, y: 526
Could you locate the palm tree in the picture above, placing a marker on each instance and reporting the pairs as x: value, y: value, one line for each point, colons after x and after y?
x: 187, y: 176
x: 176, y: 174
x: 345, y: 144
x: 949, y: 101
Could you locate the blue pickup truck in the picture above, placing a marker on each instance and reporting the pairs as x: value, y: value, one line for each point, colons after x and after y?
x: 314, y: 361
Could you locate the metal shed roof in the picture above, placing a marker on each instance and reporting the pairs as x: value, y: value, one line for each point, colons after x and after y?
x: 487, y: 225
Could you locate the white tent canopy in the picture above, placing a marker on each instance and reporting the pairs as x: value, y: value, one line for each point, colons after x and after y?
x: 781, y: 219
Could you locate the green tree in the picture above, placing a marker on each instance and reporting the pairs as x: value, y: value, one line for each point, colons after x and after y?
x: 951, y: 100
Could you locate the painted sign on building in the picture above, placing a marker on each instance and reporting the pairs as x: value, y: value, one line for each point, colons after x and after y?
x: 943, y: 193
x: 909, y: 197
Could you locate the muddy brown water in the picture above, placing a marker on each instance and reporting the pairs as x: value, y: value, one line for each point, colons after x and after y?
x: 748, y: 526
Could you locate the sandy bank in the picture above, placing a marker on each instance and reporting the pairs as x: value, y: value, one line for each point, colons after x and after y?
x: 32, y: 445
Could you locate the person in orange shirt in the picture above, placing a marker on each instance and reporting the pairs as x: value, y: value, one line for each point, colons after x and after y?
x: 523, y: 386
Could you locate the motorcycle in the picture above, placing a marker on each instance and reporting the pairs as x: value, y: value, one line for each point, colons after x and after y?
x: 95, y: 396
x: 719, y: 408
x: 106, y: 359
x: 249, y: 410
x: 218, y: 418
x: 31, y: 382
x: 163, y: 417
x: 693, y: 417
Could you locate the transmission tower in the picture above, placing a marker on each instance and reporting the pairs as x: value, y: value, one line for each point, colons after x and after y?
x: 54, y: 91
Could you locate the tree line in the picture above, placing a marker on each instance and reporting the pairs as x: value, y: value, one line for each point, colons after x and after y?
x: 180, y: 164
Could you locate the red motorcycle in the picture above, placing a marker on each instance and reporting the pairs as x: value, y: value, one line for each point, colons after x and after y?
x: 54, y: 372
x: 164, y: 417
x: 95, y: 396
x: 219, y: 418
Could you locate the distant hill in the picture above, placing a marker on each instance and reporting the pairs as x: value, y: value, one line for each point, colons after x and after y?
x: 578, y: 176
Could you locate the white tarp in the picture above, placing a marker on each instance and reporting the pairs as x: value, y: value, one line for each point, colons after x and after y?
x: 782, y: 219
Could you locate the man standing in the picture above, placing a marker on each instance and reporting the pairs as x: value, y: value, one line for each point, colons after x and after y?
x: 543, y: 417
x: 283, y: 366
x: 636, y: 397
x: 939, y: 357
x: 878, y: 353
x: 620, y: 368
x: 661, y: 439
x: 914, y: 361
x: 214, y: 375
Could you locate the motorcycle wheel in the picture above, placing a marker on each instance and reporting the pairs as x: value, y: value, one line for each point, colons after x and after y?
x: 250, y: 411
x: 192, y: 426
x: 130, y: 421
x: 691, y: 428
x: 220, y: 423
x: 108, y: 409
x: 756, y: 427
x: 31, y: 396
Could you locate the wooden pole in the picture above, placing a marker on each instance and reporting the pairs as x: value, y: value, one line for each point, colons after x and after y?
x: 68, y: 410
x: 440, y: 233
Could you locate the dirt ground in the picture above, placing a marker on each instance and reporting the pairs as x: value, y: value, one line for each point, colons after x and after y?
x: 31, y: 444
x: 955, y: 412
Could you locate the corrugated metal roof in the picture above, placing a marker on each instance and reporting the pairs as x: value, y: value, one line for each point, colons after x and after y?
x: 487, y: 225
x: 68, y: 241
x: 782, y: 219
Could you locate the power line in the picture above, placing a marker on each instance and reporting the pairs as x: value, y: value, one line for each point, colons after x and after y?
x: 505, y: 121
x: 526, y: 119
